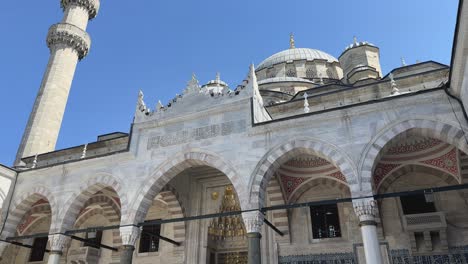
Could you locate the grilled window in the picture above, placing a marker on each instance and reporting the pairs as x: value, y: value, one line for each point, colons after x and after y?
x: 325, y: 221
x: 149, y: 240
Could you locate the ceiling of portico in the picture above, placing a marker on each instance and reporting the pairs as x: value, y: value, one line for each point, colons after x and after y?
x: 418, y: 150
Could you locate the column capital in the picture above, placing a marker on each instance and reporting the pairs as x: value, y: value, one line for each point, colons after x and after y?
x: 366, y: 210
x: 253, y: 221
x: 92, y: 6
x: 129, y: 235
x: 58, y: 243
x: 71, y: 36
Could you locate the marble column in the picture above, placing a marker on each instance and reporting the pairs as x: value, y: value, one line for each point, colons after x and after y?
x: 253, y: 224
x: 3, y: 246
x: 129, y: 236
x: 58, y: 243
x: 366, y: 210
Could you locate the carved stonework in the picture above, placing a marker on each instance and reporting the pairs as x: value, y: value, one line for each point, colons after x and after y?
x: 92, y: 6
x: 129, y: 235
x: 70, y: 36
x: 192, y: 86
x: 195, y: 134
x: 58, y: 242
x: 253, y: 221
x: 326, y: 258
x: 366, y: 210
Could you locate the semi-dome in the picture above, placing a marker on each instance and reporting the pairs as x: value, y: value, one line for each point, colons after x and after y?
x: 295, y: 54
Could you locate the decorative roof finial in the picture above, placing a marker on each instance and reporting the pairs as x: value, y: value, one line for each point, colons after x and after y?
x: 159, y: 106
x: 252, y: 82
x: 141, y: 104
x: 354, y: 40
x: 83, y: 154
x: 34, y: 164
x: 292, y: 44
x: 403, y: 62
x: 192, y: 85
x: 393, y: 85
x: 218, y: 77
x: 321, y: 79
x: 306, y: 103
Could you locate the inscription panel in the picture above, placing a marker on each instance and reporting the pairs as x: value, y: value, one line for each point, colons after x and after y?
x: 199, y: 133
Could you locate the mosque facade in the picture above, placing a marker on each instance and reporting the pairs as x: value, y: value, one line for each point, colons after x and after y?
x: 310, y: 159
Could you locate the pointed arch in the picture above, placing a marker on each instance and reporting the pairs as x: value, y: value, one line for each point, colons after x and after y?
x: 400, y: 171
x: 324, y: 181
x: 72, y: 207
x: 283, y: 152
x: 176, y: 209
x: 431, y: 128
x: 23, y: 203
x: 172, y: 167
x: 108, y: 208
x: 280, y: 217
x: 41, y: 208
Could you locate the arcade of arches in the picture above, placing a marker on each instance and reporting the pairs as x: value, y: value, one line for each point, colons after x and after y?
x: 419, y: 227
x: 303, y: 127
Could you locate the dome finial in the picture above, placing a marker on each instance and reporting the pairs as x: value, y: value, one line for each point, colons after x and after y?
x: 291, y: 41
x: 354, y: 40
x: 218, y: 76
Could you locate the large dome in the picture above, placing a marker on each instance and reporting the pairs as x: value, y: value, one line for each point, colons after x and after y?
x: 295, y: 54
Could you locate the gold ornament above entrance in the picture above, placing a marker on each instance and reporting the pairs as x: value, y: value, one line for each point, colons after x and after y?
x: 227, y: 242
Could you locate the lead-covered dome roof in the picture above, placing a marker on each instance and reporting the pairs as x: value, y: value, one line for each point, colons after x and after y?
x: 295, y: 54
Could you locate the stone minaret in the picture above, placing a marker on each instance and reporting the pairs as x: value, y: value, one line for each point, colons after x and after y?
x: 68, y: 43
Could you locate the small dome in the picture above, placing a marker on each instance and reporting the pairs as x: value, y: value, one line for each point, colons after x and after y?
x: 216, y: 86
x: 295, y: 54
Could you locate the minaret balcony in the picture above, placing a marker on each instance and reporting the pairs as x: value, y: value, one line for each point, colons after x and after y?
x: 70, y: 36
x: 92, y: 6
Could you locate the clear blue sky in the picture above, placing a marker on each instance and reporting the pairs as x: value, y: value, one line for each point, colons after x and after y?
x: 156, y: 45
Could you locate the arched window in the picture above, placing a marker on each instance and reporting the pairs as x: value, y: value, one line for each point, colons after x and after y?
x: 270, y: 73
x: 331, y: 74
x: 291, y: 72
x: 311, y: 73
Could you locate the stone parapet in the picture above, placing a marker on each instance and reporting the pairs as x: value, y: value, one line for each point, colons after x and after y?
x: 71, y: 36
x: 92, y: 6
